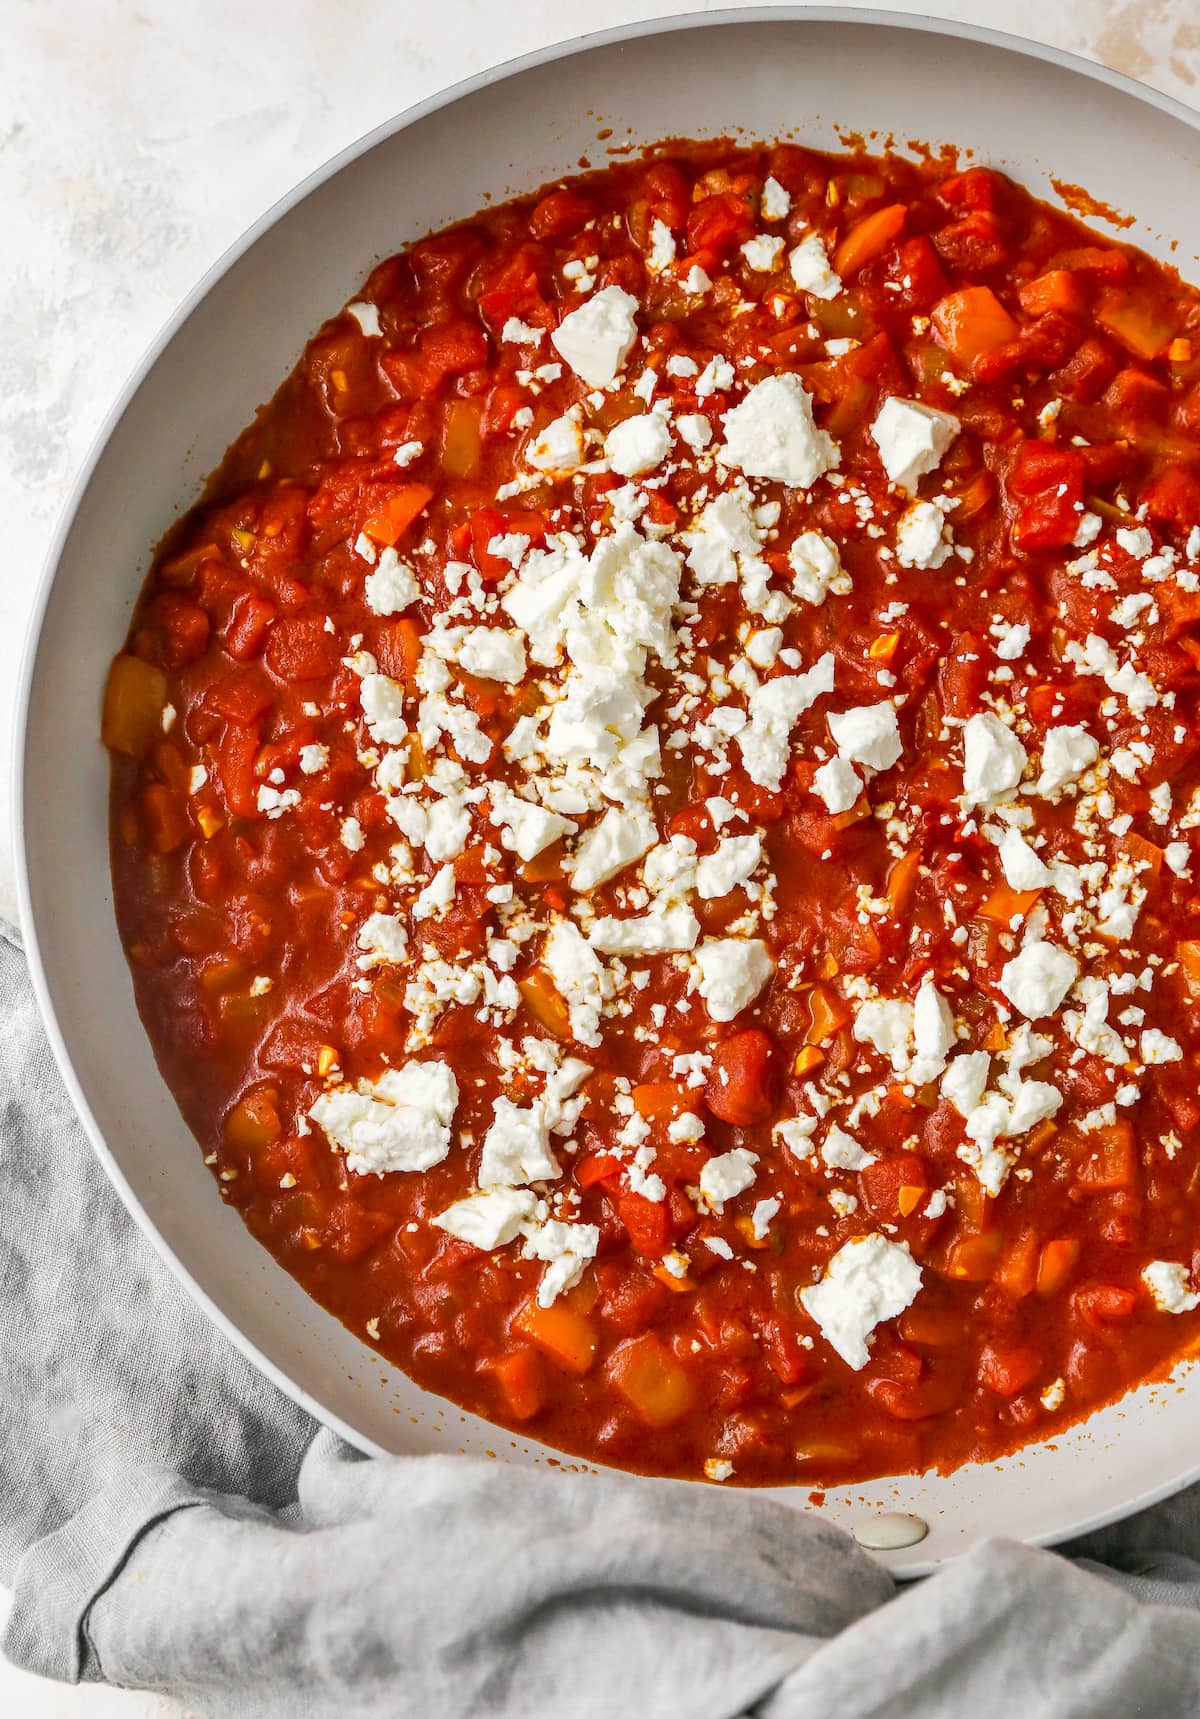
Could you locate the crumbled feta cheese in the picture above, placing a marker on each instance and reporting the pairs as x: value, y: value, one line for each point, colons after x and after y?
x: 1157, y: 1047
x: 841, y: 1151
x: 816, y: 567
x: 525, y: 828
x: 664, y: 931
x: 566, y: 1248
x: 1037, y: 980
x: 776, y: 201
x: 731, y: 973
x: 838, y: 784
x: 868, y: 1280
x: 993, y: 760
x: 735, y: 859
x: 1170, y: 1286
x: 728, y: 1175
x: 579, y: 978
x: 1067, y: 752
x: 662, y: 247
x: 638, y: 444
x: 868, y: 735
x: 516, y: 1148
x: 762, y: 253
x: 392, y: 587
x: 695, y: 430
x: 811, y: 270
x: 615, y: 842
x: 771, y: 434
x: 558, y: 446
x: 1023, y: 869
x: 399, y: 1122
x: 491, y: 1219
x: 921, y: 537
x: 366, y: 315
x: 597, y: 338
x: 912, y: 439
x: 775, y: 708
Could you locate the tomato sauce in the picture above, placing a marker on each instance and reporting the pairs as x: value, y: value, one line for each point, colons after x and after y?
x: 938, y: 994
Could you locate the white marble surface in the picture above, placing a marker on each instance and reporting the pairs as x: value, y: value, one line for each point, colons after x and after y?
x: 139, y: 137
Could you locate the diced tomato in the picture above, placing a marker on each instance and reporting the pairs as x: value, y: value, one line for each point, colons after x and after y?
x: 1045, y: 492
x: 915, y: 271
x: 489, y: 523
x: 1087, y: 373
x: 974, y: 244
x: 249, y: 622
x: 1007, y: 1368
x: 648, y: 1223
x: 1173, y: 496
x: 781, y: 1344
x: 235, y: 766
x: 560, y: 213
x: 718, y: 223
x: 184, y: 628
x: 1099, y: 1304
x: 301, y: 648
x: 976, y: 188
x: 893, y: 1188
x: 740, y: 1086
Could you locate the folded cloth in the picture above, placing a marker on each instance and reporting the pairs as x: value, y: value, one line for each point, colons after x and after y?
x: 171, y: 1522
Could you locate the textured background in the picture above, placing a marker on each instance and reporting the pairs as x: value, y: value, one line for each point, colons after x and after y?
x: 139, y: 137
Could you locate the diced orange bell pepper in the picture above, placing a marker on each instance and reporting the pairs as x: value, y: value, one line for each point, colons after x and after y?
x: 973, y: 1258
x: 253, y: 1124
x: 902, y: 882
x: 1138, y: 323
x: 651, y: 1380
x: 518, y: 1375
x: 164, y: 817
x: 829, y: 1015
x: 868, y: 238
x: 1057, y: 289
x: 968, y: 323
x: 1057, y: 1262
x: 133, y: 706
x: 1005, y: 903
x: 564, y: 1333
x: 396, y: 512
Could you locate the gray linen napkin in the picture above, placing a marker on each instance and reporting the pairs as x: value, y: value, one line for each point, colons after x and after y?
x: 171, y: 1522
